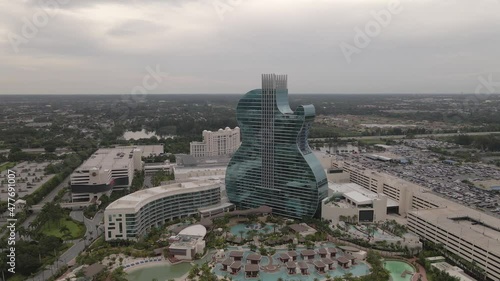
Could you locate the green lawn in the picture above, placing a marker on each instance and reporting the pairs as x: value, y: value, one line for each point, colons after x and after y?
x: 7, y: 165
x: 77, y: 229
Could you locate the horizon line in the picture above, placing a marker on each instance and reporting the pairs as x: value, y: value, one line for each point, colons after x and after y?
x: 158, y: 94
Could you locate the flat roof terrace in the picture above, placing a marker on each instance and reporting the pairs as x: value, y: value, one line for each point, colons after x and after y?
x: 451, y: 219
x: 108, y: 158
x: 357, y: 193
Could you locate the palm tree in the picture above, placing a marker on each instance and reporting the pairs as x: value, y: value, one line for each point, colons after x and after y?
x: 22, y: 231
x: 348, y: 276
x: 241, y: 234
x: 266, y: 230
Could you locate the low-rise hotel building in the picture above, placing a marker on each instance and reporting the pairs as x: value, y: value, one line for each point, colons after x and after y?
x: 352, y: 200
x: 188, y: 243
x: 106, y: 169
x: 132, y: 216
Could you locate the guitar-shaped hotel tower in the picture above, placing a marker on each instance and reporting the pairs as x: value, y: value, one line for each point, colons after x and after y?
x: 274, y: 165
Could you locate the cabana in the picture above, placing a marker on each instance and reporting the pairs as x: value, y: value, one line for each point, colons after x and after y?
x: 343, y: 261
x: 293, y: 255
x: 304, y: 269
x: 308, y: 254
x: 254, y: 258
x: 351, y: 258
x: 227, y: 262
x: 320, y: 266
x: 292, y: 267
x: 236, y: 255
x: 333, y: 252
x: 284, y: 257
x: 329, y: 262
x: 235, y: 267
x: 322, y: 253
x: 251, y: 270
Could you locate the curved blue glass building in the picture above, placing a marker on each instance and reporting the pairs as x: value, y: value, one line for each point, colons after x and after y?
x: 274, y: 165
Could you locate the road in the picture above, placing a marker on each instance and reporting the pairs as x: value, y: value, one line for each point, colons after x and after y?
x: 48, y: 198
x: 79, y: 245
x: 91, y: 234
x: 76, y: 205
x: 403, y: 136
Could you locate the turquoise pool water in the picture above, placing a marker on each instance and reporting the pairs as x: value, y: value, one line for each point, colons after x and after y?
x: 235, y: 230
x: 357, y: 270
x: 160, y: 272
x: 164, y: 272
x: 396, y: 268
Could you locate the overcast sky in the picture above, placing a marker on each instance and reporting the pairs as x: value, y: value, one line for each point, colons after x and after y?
x: 222, y: 46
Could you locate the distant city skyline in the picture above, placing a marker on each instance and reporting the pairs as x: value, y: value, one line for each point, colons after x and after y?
x: 222, y: 46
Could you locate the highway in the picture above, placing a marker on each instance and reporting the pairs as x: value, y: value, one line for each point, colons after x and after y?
x: 404, y: 136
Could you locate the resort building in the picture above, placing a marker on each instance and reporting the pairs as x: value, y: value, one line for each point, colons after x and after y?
x: 452, y: 270
x: 186, y: 173
x: 133, y: 215
x: 153, y: 168
x: 274, y: 165
x: 106, y: 169
x: 219, y: 143
x: 467, y: 233
x: 470, y: 234
x: 403, y: 196
x: 188, y: 243
x: 352, y: 200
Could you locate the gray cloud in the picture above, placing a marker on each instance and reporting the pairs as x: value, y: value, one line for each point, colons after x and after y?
x: 104, y: 46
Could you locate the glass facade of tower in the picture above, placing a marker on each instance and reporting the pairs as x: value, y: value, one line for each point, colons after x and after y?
x: 274, y: 165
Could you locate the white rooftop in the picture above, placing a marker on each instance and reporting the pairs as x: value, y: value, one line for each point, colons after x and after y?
x: 109, y: 158
x: 353, y: 187
x: 197, y: 230
x: 453, y: 271
x: 134, y: 201
x: 358, y: 197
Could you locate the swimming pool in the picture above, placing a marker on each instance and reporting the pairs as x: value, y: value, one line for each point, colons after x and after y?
x: 396, y: 268
x: 357, y: 269
x: 235, y: 230
x: 162, y: 271
x: 159, y: 272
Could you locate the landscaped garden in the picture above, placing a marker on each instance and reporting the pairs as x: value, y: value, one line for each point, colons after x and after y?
x: 254, y: 248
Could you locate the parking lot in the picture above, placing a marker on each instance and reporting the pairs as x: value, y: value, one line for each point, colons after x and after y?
x: 29, y: 177
x: 447, y: 178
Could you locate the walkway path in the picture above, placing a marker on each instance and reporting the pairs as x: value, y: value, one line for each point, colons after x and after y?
x: 270, y: 267
x: 421, y: 271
